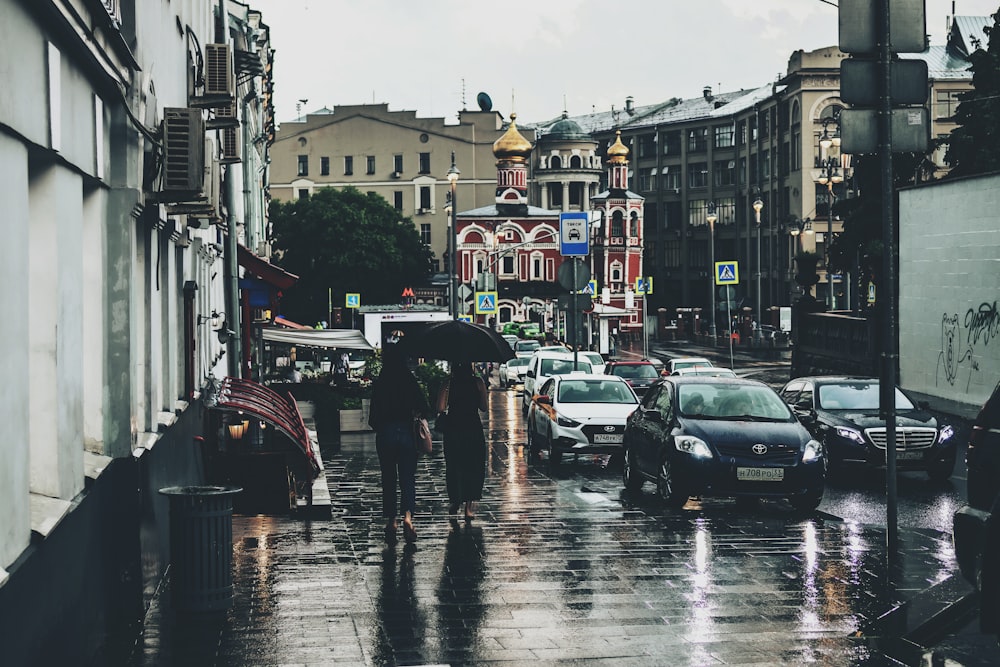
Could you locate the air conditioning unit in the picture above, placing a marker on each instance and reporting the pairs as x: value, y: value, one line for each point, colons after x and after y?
x: 225, y: 116
x: 183, y: 153
x: 205, y: 205
x: 230, y: 145
x: 219, y: 77
x: 397, y: 174
x: 422, y: 211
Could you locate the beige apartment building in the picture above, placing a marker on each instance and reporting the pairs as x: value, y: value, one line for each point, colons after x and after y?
x: 395, y: 154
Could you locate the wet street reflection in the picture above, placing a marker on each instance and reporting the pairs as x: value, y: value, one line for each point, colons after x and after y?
x: 559, y: 565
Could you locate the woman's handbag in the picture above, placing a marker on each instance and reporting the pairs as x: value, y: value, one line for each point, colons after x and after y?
x: 441, y: 421
x: 422, y: 432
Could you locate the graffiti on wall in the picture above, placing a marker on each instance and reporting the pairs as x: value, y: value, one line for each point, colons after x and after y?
x: 961, y: 338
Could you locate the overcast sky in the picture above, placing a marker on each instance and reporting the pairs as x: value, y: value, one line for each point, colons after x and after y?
x: 538, y: 57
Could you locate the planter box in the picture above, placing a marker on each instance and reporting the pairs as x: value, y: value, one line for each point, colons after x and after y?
x: 354, y: 421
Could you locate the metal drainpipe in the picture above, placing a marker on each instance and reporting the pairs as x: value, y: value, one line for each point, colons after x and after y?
x: 233, y: 307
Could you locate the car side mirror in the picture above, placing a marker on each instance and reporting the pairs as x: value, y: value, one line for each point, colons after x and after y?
x: 652, y: 413
x: 924, y: 405
x: 543, y: 399
x: 530, y: 374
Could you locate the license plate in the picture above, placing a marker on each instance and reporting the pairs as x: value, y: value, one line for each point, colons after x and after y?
x: 909, y: 456
x: 607, y: 437
x: 760, y: 474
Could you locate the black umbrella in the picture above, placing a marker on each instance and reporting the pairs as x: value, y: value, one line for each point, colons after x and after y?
x: 457, y: 340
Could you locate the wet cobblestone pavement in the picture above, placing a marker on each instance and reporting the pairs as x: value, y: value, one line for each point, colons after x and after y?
x: 557, y: 568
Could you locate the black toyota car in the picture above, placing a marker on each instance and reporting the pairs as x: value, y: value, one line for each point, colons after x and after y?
x: 843, y: 414
x: 716, y: 436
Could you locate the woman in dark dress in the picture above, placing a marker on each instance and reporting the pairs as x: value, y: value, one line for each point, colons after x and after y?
x: 396, y: 400
x: 463, y: 396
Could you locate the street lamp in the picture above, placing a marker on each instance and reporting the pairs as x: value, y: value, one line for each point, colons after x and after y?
x: 757, y: 206
x: 453, y: 173
x: 830, y: 173
x: 711, y: 217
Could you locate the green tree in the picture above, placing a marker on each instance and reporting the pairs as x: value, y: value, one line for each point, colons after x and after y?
x: 347, y: 241
x: 974, y: 146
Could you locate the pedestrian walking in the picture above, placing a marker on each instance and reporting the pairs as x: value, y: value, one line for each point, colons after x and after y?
x: 396, y: 400
x: 464, y: 396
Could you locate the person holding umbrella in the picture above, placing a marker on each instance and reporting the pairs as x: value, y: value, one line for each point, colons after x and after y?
x: 464, y: 396
x: 396, y: 399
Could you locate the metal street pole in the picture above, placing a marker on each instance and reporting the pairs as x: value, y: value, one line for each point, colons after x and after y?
x: 453, y: 173
x: 829, y: 240
x: 757, y: 206
x: 711, y: 217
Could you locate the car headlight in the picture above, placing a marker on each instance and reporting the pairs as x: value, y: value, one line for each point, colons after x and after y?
x: 945, y: 433
x: 567, y: 422
x: 851, y: 434
x: 696, y: 447
x: 813, y: 451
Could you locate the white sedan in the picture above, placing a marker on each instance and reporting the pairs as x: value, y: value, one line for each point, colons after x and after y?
x: 582, y: 413
x: 512, y: 371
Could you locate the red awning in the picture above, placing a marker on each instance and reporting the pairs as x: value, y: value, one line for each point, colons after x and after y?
x: 264, y: 270
x: 281, y: 321
x: 267, y: 405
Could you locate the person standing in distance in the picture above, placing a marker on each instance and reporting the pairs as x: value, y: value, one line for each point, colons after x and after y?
x: 396, y: 399
x: 464, y: 396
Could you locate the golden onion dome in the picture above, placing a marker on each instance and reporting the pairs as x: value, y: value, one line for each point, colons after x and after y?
x: 617, y: 152
x: 512, y: 146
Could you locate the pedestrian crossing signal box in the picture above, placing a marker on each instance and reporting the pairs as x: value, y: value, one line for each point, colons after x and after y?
x: 727, y: 273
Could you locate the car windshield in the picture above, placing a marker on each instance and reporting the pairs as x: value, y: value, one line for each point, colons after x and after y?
x: 562, y: 367
x: 731, y: 401
x: 526, y: 345
x: 856, y: 396
x: 635, y: 371
x: 692, y: 363
x: 594, y: 358
x: 518, y: 362
x: 594, y: 391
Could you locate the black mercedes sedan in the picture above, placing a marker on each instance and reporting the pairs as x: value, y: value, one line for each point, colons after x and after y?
x: 843, y: 414
x: 717, y: 436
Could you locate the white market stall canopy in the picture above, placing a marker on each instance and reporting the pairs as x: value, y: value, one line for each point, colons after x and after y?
x: 334, y: 339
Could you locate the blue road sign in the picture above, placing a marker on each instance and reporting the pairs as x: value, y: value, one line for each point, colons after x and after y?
x: 727, y: 273
x: 486, y: 303
x: 574, y: 234
x: 353, y: 300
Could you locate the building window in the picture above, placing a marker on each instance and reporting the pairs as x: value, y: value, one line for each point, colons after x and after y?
x: 397, y: 163
x: 698, y: 140
x: 697, y: 212
x: 348, y: 165
x: 425, y: 196
x: 633, y: 225
x: 765, y: 164
x: 425, y: 233
x: 324, y: 166
x: 371, y: 164
x: 741, y: 132
x: 672, y: 254
x: 575, y: 162
x: 672, y: 143
x: 724, y: 172
x: 647, y: 179
x: 617, y: 226
x: 796, y: 149
x: 555, y: 162
x: 753, y: 128
x: 945, y: 104
x: 303, y: 193
x: 536, y: 267
x: 724, y: 136
x: 697, y: 175
x: 303, y: 165
x: 647, y: 145
x: 425, y: 163
x: 616, y: 271
x: 397, y: 200
x: 671, y: 178
x: 725, y: 208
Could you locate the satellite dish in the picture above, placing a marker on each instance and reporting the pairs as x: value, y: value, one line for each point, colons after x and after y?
x: 484, y: 102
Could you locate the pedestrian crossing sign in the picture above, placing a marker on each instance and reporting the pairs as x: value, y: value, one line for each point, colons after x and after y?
x: 486, y: 303
x: 465, y: 318
x: 644, y: 285
x: 590, y: 288
x: 727, y: 273
x: 871, y: 292
x: 353, y: 300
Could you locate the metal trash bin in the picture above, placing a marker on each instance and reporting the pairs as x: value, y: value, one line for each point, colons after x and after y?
x: 201, y: 546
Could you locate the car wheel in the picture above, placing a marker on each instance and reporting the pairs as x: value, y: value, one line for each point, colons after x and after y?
x: 806, y: 502
x: 939, y: 471
x: 555, y: 456
x: 631, y: 477
x: 667, y: 488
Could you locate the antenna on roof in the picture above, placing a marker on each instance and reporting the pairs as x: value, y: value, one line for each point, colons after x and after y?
x: 463, y: 95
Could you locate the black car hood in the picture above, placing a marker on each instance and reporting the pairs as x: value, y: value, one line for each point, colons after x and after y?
x: 726, y: 432
x: 863, y: 419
